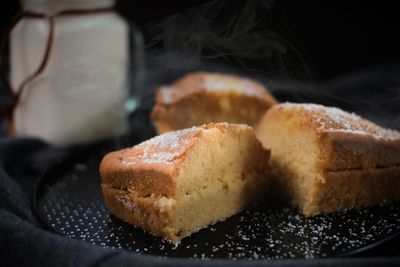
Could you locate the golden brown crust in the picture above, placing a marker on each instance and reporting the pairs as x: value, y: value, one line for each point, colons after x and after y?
x: 224, y: 127
x: 355, y: 188
x: 139, y: 211
x: 346, y: 141
x: 344, y: 151
x: 151, y: 166
x: 328, y: 160
x: 203, y: 82
x: 170, y: 184
x: 201, y: 97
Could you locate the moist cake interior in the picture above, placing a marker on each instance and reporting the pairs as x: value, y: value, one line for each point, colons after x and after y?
x: 223, y: 171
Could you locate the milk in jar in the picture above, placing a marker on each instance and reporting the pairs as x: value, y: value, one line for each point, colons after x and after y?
x: 80, y: 94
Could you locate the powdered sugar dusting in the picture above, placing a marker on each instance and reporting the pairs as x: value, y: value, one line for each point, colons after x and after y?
x: 210, y: 82
x: 215, y: 85
x: 219, y: 83
x: 167, y: 94
x: 336, y: 120
x: 162, y: 149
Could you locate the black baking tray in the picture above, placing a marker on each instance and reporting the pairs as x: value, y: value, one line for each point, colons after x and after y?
x: 68, y: 201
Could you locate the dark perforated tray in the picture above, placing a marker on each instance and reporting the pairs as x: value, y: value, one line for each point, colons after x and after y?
x: 68, y: 201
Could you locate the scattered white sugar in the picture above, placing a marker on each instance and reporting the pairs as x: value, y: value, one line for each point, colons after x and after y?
x: 162, y: 149
x: 265, y: 231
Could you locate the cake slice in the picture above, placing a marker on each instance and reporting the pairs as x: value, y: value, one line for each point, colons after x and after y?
x: 199, y: 98
x: 177, y: 183
x: 326, y: 160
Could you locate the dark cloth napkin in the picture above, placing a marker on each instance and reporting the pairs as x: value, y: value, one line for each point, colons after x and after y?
x: 24, y: 242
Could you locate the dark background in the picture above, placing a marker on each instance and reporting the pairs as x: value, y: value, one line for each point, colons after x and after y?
x: 334, y: 37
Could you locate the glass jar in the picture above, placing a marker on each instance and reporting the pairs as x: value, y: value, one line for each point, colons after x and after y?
x: 69, y: 67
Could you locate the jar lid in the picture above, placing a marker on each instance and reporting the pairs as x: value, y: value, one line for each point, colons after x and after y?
x: 55, y: 6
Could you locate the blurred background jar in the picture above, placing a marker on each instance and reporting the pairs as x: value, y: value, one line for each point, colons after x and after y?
x: 70, y: 63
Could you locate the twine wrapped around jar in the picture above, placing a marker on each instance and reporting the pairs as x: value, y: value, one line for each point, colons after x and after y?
x: 119, y: 51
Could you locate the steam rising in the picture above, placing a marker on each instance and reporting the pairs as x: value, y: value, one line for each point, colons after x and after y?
x: 232, y: 33
x: 237, y: 37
